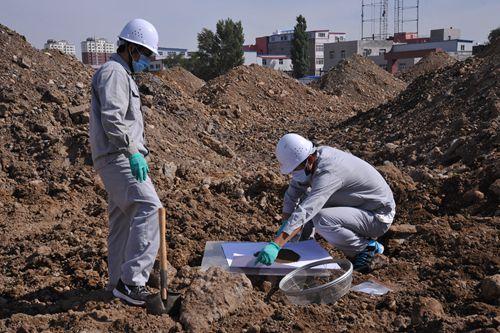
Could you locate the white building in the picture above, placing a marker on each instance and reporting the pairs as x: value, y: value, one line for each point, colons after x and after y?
x: 97, y: 45
x: 277, y: 62
x: 61, y: 45
x: 96, y: 51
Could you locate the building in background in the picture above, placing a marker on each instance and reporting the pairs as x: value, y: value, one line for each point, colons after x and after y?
x: 277, y: 62
x: 164, y: 53
x: 61, y: 45
x: 250, y: 55
x: 96, y: 51
x: 403, y: 56
x: 280, y: 44
x: 372, y: 49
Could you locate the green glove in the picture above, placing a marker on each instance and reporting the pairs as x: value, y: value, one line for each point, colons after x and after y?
x: 139, y: 167
x: 268, y: 254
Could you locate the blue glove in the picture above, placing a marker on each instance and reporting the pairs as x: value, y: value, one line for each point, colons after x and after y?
x: 280, y: 230
x: 268, y: 254
x: 139, y: 167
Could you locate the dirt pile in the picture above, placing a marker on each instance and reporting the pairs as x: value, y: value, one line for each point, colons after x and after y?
x: 256, y: 105
x: 429, y: 64
x: 360, y: 83
x: 444, y: 127
x: 181, y: 79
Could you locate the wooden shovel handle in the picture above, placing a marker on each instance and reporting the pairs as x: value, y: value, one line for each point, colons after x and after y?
x: 163, y: 253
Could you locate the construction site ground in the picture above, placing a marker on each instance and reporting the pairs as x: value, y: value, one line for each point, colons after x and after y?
x: 435, y: 140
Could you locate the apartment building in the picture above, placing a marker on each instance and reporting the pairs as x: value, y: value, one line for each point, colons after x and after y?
x: 62, y: 45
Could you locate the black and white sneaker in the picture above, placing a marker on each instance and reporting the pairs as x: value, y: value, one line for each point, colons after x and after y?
x: 135, y: 295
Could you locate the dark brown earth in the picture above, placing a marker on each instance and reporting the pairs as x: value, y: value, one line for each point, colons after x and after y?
x: 214, y: 169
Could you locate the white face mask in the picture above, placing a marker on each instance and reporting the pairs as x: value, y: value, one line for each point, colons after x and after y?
x: 300, y: 176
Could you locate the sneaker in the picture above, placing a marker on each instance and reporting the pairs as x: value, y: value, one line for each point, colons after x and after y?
x: 135, y: 295
x: 362, y: 260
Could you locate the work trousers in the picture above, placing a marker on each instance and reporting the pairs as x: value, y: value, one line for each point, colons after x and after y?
x: 133, y: 239
x: 348, y: 228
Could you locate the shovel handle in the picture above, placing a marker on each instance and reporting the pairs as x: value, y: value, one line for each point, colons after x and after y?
x: 163, y: 253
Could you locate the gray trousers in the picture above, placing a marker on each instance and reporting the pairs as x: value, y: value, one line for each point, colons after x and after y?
x: 348, y: 228
x: 133, y: 239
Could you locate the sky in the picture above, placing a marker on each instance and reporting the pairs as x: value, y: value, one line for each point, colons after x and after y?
x: 179, y: 22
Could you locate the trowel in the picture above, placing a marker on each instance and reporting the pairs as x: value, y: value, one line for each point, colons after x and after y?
x: 166, y: 301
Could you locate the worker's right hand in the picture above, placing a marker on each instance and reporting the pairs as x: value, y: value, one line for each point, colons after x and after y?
x: 268, y: 254
x: 139, y: 167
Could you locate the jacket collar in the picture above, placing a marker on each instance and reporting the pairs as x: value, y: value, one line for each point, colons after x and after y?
x: 116, y: 57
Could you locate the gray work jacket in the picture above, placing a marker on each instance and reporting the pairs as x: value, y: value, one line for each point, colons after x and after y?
x: 339, y: 180
x: 116, y: 123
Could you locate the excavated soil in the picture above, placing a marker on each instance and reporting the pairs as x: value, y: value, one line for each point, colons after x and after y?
x: 428, y: 64
x: 213, y: 166
x: 359, y: 83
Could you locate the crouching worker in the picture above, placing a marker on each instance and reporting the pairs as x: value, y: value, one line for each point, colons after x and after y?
x: 119, y: 155
x: 348, y: 202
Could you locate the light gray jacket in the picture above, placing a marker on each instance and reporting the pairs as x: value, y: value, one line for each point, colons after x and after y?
x: 116, y: 123
x: 339, y: 180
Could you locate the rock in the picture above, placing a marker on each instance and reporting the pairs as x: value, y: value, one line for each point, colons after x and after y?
x: 473, y: 196
x: 427, y: 310
x: 4, y: 108
x: 214, y: 293
x: 217, y: 146
x: 450, y: 153
x: 169, y: 169
x: 490, y: 289
x: 43, y: 250
x: 401, y: 183
x: 54, y: 96
x: 254, y: 329
x: 391, y: 146
x: 24, y: 62
x: 494, y: 187
x: 402, y: 230
x: 79, y: 114
x: 79, y: 85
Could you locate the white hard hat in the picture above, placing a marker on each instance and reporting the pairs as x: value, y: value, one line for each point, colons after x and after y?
x: 291, y: 150
x: 141, y: 32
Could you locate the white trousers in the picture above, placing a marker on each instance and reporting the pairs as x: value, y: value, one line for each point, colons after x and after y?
x: 133, y: 239
x: 348, y: 228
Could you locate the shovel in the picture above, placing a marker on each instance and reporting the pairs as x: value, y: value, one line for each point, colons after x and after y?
x: 166, y: 301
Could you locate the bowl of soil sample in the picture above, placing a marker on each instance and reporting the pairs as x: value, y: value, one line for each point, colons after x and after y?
x: 323, y: 281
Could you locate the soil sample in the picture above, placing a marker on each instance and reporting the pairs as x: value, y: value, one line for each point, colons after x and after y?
x: 285, y: 256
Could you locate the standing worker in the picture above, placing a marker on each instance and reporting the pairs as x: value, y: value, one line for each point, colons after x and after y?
x: 345, y: 198
x: 119, y: 156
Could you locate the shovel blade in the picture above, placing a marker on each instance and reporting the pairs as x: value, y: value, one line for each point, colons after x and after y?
x: 155, y: 306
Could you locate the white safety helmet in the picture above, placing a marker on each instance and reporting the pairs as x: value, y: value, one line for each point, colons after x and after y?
x: 291, y: 150
x: 141, y: 32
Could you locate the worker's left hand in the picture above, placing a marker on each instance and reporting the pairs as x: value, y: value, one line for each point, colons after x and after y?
x: 268, y: 254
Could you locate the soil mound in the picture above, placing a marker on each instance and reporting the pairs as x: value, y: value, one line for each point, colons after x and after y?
x: 446, y: 122
x: 431, y: 63
x: 181, y: 79
x: 360, y: 82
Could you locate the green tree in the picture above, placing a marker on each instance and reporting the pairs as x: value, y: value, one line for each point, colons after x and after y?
x: 220, y: 51
x: 494, y: 34
x: 300, y: 57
